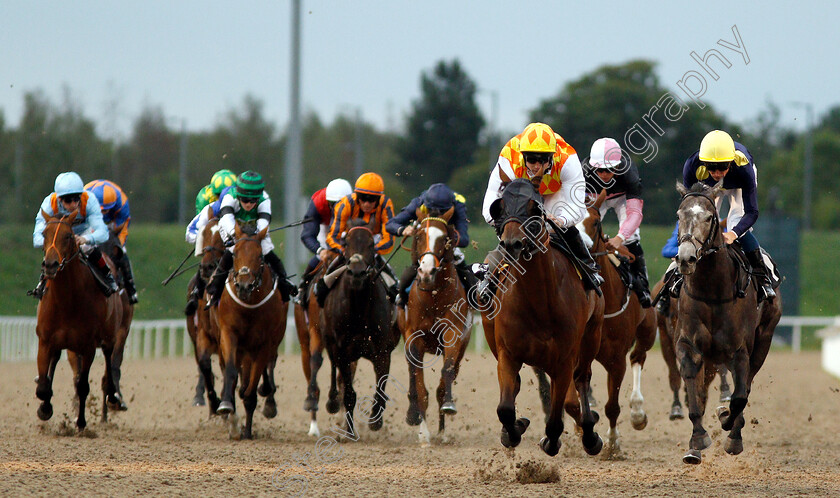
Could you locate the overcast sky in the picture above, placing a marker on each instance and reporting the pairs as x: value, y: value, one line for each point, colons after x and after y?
x: 197, y: 59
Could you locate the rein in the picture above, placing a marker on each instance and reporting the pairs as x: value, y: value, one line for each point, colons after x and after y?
x: 256, y: 282
x: 705, y: 247
x: 599, y: 235
x: 62, y: 261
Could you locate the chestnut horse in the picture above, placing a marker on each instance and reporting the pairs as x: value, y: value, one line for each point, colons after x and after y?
x: 251, y: 317
x: 667, y: 324
x: 76, y: 316
x: 714, y: 325
x: 626, y: 323
x: 357, y: 323
x: 436, y: 319
x: 542, y: 317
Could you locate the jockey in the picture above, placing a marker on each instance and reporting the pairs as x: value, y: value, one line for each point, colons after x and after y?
x: 90, y: 230
x: 212, y: 192
x: 117, y: 216
x: 248, y: 202
x: 535, y: 153
x: 368, y: 201
x: 195, y: 227
x: 608, y: 168
x: 435, y: 201
x: 719, y: 158
x: 319, y: 216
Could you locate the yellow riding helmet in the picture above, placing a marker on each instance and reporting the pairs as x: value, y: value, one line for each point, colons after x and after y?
x: 370, y: 183
x: 538, y: 137
x: 717, y: 147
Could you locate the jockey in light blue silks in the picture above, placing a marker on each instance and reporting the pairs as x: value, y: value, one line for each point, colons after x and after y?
x: 90, y: 229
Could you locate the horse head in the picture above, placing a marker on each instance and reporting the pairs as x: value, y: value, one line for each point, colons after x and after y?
x: 212, y: 248
x: 520, y: 222
x: 699, y: 231
x: 359, y: 249
x: 59, y: 242
x: 590, y: 227
x: 433, y: 244
x: 248, y: 263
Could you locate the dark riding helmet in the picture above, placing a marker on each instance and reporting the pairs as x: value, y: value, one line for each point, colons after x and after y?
x: 438, y: 198
x: 249, y: 185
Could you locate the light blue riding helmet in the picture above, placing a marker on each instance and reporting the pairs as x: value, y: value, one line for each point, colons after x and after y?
x: 69, y: 183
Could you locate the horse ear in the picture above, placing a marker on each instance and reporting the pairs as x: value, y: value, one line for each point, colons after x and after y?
x: 681, y: 188
x: 717, y: 189
x: 496, y: 209
x: 72, y: 216
x: 421, y: 213
x: 237, y: 231
x: 448, y: 214
x: 262, y: 233
x: 600, y: 199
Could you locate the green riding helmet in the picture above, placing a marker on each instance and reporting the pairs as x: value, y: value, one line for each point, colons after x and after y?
x: 249, y: 184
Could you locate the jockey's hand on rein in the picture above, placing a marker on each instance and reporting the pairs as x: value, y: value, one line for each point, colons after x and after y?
x: 729, y: 237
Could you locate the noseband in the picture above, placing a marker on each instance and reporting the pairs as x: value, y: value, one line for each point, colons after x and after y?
x: 62, y: 261
x: 256, y: 280
x: 705, y: 247
x: 370, y: 266
x: 447, y: 243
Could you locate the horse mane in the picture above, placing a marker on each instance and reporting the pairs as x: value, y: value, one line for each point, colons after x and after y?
x: 356, y: 222
x: 700, y: 188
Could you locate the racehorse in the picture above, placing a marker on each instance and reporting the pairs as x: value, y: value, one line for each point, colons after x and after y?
x: 308, y: 325
x: 436, y: 319
x: 113, y: 249
x: 542, y: 317
x: 251, y: 317
x: 357, y: 323
x: 667, y: 324
x: 74, y: 315
x: 625, y: 322
x: 714, y: 325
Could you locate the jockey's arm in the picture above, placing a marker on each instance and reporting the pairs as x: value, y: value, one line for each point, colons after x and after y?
x: 41, y: 223
x: 339, y: 222
x: 386, y: 243
x: 121, y: 231
x: 567, y: 206
x: 634, y: 204
x: 227, y: 219
x: 749, y: 197
x: 309, y: 234
x: 98, y: 229
x: 459, y: 220
x: 264, y: 213
x: 197, y: 224
x: 494, y: 187
x: 397, y: 224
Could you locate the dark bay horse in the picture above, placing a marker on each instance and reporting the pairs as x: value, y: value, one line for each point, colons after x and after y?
x: 356, y: 322
x: 251, y: 317
x: 541, y: 316
x: 76, y: 316
x: 436, y: 319
x: 667, y: 325
x: 713, y: 325
x: 626, y: 323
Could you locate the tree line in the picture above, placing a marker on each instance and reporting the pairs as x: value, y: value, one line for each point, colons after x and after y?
x: 445, y: 139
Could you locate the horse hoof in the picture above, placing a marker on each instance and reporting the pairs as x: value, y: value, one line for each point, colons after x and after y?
x: 269, y: 410
x: 333, y: 406
x: 413, y: 417
x: 313, y: 429
x: 225, y: 407
x: 310, y: 404
x: 594, y: 448
x: 722, y: 413
x: 198, y: 400
x: 376, y: 424
x: 550, y: 449
x: 700, y: 442
x: 522, y: 424
x: 509, y: 441
x: 692, y: 457
x: 45, y: 411
x: 448, y: 408
x: 676, y: 413
x: 245, y: 434
x: 733, y: 446
x: 639, y: 420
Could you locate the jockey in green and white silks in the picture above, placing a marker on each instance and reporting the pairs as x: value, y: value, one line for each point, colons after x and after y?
x: 247, y: 203
x: 90, y: 229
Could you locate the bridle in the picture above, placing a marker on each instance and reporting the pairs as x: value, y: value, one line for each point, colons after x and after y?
x: 370, y: 264
x: 425, y: 225
x: 256, y: 277
x: 62, y: 261
x: 705, y: 247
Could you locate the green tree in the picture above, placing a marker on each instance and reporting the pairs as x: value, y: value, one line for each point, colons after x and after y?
x: 443, y: 127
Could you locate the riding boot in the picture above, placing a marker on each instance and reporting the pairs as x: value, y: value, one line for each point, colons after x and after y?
x: 763, y: 284
x: 589, y: 268
x: 640, y: 276
x: 302, y: 295
x: 110, y: 285
x: 195, y: 294
x: 40, y: 289
x: 467, y: 277
x: 124, y: 265
x: 285, y: 287
x: 217, y: 281
x: 321, y: 289
x: 405, y: 280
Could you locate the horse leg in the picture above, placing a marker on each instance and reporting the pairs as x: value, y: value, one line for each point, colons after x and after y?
x: 674, y: 378
x: 265, y: 388
x: 83, y: 385
x: 270, y: 407
x: 509, y: 384
x: 314, y: 360
x: 589, y: 346
x: 228, y: 349
x: 116, y: 370
x: 615, y: 375
x: 560, y: 383
x: 415, y: 415
x: 453, y: 355
x: 349, y: 397
x: 251, y: 378
x: 691, y: 369
x: 205, y: 374
x: 725, y: 390
x: 381, y: 367
x: 740, y: 375
x: 109, y: 389
x: 47, y: 360
x: 544, y: 390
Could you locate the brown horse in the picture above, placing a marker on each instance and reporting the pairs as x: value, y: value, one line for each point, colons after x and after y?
x: 251, y: 317
x: 357, y: 323
x: 76, y: 316
x: 667, y: 325
x: 436, y: 319
x: 308, y: 325
x: 714, y: 325
x: 626, y: 323
x: 542, y: 317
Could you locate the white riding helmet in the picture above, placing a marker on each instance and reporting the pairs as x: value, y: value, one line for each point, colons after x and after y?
x: 69, y: 183
x: 338, y: 189
x: 605, y: 154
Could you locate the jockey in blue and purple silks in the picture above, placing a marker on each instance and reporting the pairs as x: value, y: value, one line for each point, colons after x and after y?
x: 90, y: 230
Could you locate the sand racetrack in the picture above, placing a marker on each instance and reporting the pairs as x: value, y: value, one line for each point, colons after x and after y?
x: 162, y: 445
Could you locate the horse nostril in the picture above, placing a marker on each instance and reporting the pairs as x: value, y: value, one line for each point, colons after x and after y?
x: 517, y: 245
x: 692, y: 260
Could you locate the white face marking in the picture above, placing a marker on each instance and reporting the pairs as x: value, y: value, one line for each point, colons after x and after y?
x: 697, y: 210
x: 427, y: 262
